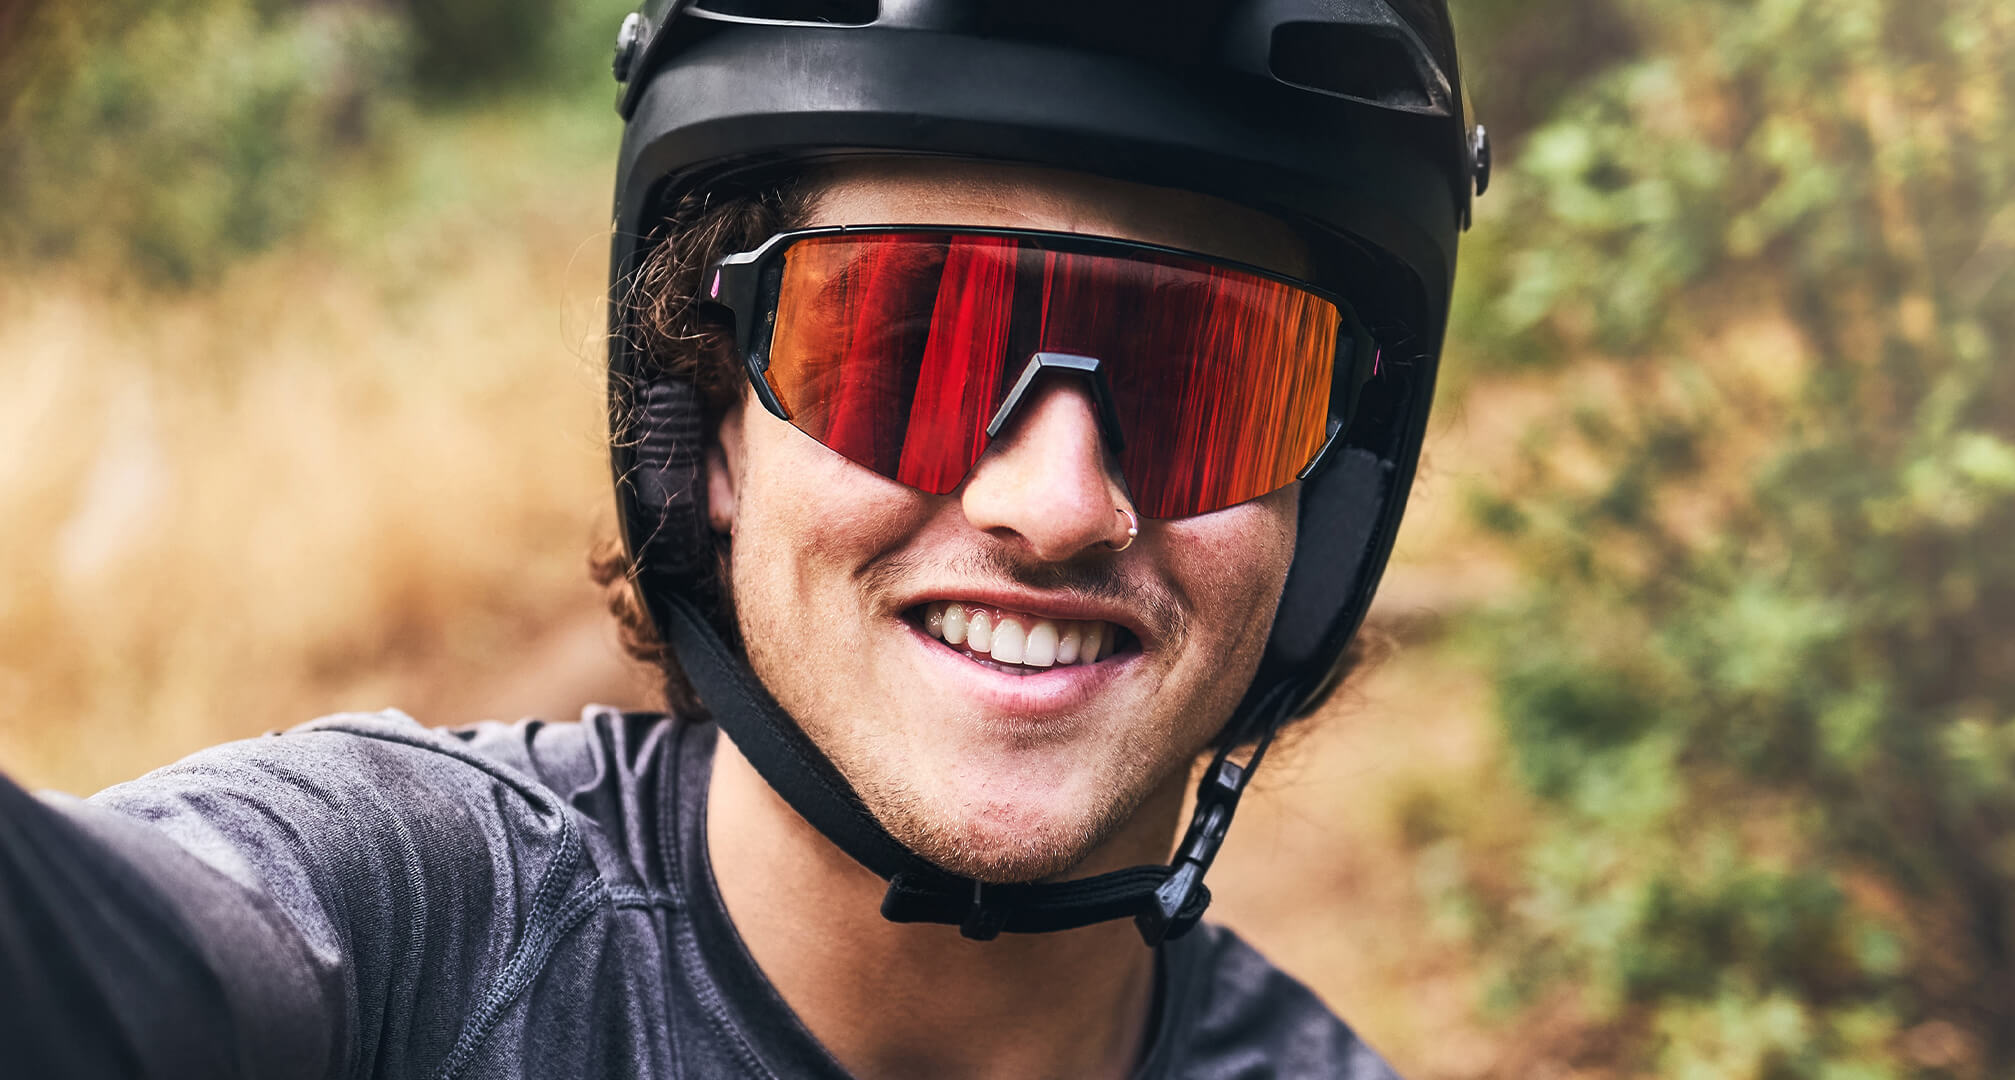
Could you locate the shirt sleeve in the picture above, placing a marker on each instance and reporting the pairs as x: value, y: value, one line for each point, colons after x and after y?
x: 121, y: 956
x: 357, y: 897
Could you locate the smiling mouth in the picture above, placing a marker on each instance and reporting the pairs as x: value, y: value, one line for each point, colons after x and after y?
x: 1019, y: 643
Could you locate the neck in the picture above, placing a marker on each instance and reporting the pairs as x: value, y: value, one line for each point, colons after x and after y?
x: 893, y: 1000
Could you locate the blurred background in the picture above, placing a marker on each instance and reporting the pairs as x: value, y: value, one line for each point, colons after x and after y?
x: 1696, y: 757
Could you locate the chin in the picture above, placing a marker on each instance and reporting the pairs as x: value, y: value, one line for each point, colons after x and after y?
x: 999, y: 841
x: 998, y: 856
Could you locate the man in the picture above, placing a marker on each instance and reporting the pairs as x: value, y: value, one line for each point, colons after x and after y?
x: 1012, y: 406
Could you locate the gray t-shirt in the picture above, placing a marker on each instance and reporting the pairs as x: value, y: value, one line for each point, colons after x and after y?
x: 364, y: 896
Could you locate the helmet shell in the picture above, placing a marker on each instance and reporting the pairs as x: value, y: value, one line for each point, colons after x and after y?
x: 1338, y: 116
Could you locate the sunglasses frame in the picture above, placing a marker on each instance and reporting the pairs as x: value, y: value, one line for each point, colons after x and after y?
x: 747, y: 285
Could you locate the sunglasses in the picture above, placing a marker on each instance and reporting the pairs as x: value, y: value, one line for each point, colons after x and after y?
x: 907, y: 349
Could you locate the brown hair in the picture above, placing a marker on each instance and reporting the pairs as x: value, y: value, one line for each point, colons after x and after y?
x: 675, y: 337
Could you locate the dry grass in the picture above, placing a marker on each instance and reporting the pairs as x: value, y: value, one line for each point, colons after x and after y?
x: 363, y: 470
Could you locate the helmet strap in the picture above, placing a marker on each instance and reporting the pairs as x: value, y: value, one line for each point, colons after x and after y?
x: 1165, y: 902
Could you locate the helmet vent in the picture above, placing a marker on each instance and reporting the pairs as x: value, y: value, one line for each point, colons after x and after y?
x: 1364, y: 63
x: 830, y: 12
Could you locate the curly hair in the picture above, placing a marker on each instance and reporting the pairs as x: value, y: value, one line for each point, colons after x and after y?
x: 676, y: 337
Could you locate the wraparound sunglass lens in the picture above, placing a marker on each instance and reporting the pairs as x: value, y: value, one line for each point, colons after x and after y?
x: 897, y: 348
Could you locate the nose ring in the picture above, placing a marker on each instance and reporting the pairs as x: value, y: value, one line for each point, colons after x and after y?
x: 1132, y: 529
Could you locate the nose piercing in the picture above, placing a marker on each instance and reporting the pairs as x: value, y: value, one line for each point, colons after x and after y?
x: 1132, y: 529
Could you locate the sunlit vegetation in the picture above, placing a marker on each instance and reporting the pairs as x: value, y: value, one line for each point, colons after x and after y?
x: 1758, y: 680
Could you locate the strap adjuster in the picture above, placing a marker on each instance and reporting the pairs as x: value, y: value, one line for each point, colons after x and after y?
x: 983, y: 922
x: 1174, y: 910
x: 1180, y: 901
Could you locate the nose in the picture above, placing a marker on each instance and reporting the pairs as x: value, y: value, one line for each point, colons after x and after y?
x: 1048, y: 480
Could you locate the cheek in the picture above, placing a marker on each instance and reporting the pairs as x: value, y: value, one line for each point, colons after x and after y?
x: 808, y: 518
x: 1232, y: 564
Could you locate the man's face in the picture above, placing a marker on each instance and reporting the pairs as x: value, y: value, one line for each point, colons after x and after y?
x: 1002, y: 771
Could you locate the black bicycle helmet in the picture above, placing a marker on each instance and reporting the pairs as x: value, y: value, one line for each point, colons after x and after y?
x: 1342, y: 117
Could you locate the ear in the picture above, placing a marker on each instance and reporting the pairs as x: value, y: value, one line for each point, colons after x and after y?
x: 725, y: 458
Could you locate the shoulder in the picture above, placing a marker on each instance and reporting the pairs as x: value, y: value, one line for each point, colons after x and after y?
x: 351, y: 770
x: 603, y: 746
x: 1231, y: 1014
x: 363, y: 824
x: 427, y: 880
x: 619, y: 772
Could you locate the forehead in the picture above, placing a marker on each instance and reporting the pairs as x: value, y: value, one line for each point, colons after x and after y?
x: 926, y: 191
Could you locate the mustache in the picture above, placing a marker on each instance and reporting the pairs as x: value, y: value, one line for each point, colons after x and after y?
x: 1091, y: 579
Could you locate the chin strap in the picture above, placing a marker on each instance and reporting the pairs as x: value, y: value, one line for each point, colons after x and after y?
x: 1165, y: 902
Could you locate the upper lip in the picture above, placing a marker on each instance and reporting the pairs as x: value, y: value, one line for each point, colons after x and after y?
x: 1045, y: 605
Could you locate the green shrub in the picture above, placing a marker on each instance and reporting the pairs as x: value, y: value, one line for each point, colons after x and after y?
x: 472, y: 46
x: 1762, y: 688
x: 179, y: 137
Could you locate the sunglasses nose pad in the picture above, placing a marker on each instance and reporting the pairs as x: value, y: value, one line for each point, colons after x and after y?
x: 1088, y: 368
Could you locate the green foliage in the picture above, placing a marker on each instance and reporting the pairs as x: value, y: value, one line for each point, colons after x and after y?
x: 171, y: 139
x: 177, y: 138
x: 1763, y: 690
x: 471, y: 46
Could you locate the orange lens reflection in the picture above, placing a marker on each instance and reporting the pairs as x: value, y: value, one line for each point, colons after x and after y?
x: 895, y: 350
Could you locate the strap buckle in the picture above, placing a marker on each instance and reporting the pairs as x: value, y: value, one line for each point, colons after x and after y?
x: 1174, y: 910
x: 1181, y: 900
x: 983, y: 921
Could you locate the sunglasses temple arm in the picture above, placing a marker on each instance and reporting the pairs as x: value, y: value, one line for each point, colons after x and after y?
x: 731, y: 284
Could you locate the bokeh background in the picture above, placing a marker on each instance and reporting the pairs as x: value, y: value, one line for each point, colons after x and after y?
x: 1696, y: 757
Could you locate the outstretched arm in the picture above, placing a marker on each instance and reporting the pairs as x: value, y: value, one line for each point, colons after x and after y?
x: 122, y: 955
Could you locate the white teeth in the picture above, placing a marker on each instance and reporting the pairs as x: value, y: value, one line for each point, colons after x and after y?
x: 1067, y: 643
x: 1009, y: 642
x: 1040, y: 643
x: 1040, y: 651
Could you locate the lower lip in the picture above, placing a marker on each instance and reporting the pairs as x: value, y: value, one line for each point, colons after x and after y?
x: 1060, y: 689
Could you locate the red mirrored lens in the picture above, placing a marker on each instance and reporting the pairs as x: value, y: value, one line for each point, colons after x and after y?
x: 896, y: 349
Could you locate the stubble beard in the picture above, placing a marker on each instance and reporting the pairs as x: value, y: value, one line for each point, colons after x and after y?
x: 964, y: 842
x: 928, y: 819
